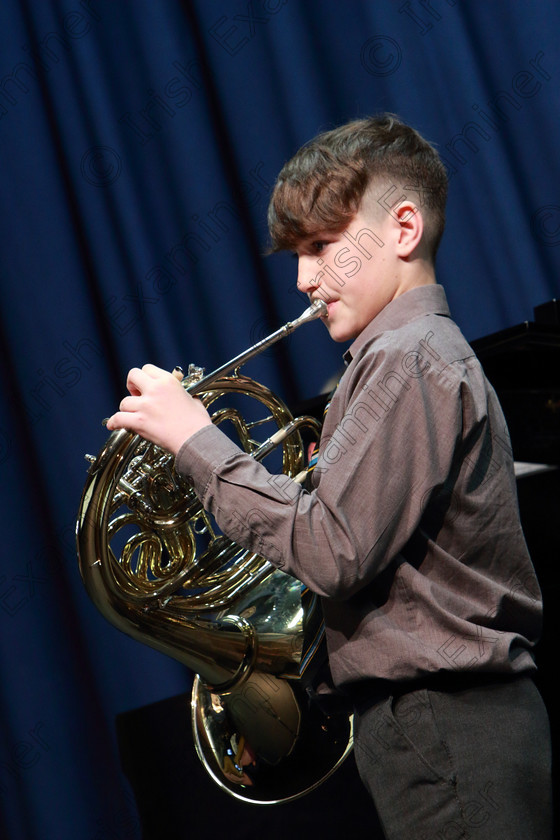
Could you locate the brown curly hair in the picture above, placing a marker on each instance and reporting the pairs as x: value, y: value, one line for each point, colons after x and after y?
x: 323, y: 185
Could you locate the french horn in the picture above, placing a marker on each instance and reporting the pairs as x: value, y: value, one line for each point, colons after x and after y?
x: 157, y: 567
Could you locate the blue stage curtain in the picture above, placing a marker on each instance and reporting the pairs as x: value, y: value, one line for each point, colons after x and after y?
x: 139, y: 142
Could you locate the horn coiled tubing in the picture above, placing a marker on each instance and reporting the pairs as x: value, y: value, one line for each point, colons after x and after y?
x: 157, y: 567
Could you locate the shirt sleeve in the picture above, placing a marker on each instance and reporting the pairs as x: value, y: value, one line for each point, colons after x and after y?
x: 395, y: 442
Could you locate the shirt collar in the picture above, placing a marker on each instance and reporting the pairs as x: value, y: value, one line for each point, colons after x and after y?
x: 422, y: 300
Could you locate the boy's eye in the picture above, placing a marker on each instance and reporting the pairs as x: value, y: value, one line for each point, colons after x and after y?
x: 313, y: 248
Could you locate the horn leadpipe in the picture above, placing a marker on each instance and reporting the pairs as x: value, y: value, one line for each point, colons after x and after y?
x: 316, y: 310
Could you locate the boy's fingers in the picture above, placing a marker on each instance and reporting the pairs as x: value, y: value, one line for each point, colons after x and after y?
x: 139, y: 378
x: 135, y: 380
x: 129, y: 404
x: 119, y: 420
x: 154, y: 371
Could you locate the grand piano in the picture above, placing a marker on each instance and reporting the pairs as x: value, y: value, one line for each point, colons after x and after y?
x: 523, y: 365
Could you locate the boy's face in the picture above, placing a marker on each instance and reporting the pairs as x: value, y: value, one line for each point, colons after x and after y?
x: 355, y: 272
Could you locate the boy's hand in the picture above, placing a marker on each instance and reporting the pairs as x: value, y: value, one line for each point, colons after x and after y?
x: 159, y: 409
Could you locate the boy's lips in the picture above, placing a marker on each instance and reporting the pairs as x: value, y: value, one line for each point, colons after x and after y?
x: 330, y: 304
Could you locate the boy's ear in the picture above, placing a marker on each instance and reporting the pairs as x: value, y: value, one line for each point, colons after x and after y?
x: 411, y: 227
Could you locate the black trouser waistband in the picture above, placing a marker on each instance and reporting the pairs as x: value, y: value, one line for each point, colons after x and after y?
x: 368, y: 692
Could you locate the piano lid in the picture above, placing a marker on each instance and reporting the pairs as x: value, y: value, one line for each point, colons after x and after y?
x: 523, y: 365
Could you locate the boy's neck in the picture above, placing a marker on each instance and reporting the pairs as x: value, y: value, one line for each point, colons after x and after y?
x: 414, y: 273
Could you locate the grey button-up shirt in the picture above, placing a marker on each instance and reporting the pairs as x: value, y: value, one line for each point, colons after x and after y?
x: 411, y: 533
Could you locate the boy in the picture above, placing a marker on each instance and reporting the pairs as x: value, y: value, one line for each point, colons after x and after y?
x: 410, y: 533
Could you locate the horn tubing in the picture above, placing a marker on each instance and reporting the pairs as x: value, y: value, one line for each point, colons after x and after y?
x: 316, y: 310
x: 228, y: 615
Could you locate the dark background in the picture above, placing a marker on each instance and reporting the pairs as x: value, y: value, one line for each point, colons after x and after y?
x: 139, y: 141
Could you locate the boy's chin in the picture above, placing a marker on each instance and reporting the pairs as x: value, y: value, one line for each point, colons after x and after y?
x: 341, y: 332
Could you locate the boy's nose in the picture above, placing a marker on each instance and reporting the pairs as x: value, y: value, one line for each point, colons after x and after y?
x: 309, y: 277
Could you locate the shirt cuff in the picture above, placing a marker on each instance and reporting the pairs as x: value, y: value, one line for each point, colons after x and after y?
x: 202, y: 454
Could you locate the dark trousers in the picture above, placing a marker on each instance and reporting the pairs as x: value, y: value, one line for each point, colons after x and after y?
x: 465, y: 764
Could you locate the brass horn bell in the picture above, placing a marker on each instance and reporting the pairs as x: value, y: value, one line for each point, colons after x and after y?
x: 157, y: 567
